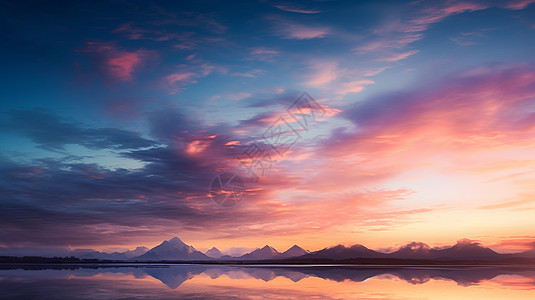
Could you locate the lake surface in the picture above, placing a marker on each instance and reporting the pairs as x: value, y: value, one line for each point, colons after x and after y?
x: 259, y: 282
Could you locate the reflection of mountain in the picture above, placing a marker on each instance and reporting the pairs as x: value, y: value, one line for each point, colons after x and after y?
x: 175, y: 275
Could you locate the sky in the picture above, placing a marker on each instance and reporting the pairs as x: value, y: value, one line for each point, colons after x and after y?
x: 405, y: 121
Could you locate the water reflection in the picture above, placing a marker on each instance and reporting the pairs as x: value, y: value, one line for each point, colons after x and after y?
x: 201, y: 281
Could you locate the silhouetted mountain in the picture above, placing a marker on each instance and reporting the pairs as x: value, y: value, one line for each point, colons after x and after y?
x: 214, y: 253
x: 81, y: 252
x: 97, y: 255
x: 136, y: 252
x: 342, y: 252
x: 173, y: 249
x: 94, y: 254
x: 228, y: 257
x: 529, y: 253
x: 267, y: 252
x: 467, y: 250
x: 294, y: 251
x: 463, y: 250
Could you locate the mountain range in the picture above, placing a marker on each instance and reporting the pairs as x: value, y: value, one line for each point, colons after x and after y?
x: 175, y: 249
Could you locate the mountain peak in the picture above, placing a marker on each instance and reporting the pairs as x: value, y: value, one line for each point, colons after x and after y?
x: 176, y: 241
x: 173, y: 249
x: 267, y: 252
x: 293, y: 251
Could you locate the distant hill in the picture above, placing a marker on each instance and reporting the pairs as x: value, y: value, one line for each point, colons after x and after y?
x: 267, y: 252
x: 173, y: 249
x: 214, y: 253
x: 342, y: 252
x: 93, y: 254
x: 464, y: 250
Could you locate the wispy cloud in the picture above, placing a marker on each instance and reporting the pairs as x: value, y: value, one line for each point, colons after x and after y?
x: 292, y: 30
x: 296, y: 9
x: 189, y: 74
x: 399, y: 56
x: 52, y: 132
x: 518, y: 4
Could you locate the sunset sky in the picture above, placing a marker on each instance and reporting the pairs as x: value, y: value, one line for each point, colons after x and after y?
x: 117, y: 115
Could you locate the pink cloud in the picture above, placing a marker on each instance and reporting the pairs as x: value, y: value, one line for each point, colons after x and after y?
x: 478, y: 111
x: 323, y: 73
x: 116, y: 62
x: 400, y: 56
x: 354, y: 86
x: 518, y: 4
x: 188, y: 74
x: 262, y: 51
x: 291, y: 30
x: 305, y: 33
x: 178, y: 77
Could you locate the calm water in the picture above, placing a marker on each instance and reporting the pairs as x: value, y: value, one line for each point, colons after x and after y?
x: 229, y: 282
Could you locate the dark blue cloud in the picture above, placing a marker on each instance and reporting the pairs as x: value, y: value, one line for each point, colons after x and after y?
x: 50, y: 131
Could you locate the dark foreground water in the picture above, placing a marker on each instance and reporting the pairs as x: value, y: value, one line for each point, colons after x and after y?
x: 255, y: 282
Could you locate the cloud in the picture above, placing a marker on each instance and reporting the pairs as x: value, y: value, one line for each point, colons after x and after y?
x: 518, y: 4
x: 329, y: 76
x: 400, y: 56
x: 116, y: 62
x: 397, y: 33
x: 52, y: 132
x: 354, y: 86
x: 524, y: 199
x: 514, y: 244
x: 296, y: 9
x: 323, y: 73
x: 123, y: 206
x: 467, y: 38
x: 301, y: 32
x: 189, y: 74
x: 264, y: 54
x: 291, y: 30
x: 133, y: 32
x: 478, y: 111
